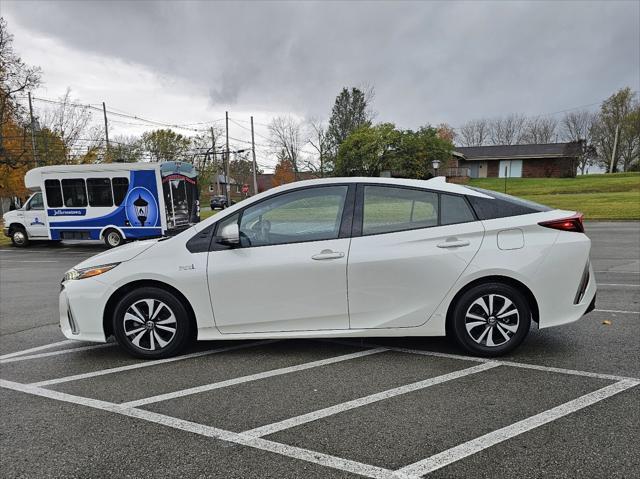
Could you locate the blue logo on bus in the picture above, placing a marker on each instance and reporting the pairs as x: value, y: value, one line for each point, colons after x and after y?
x: 141, y: 207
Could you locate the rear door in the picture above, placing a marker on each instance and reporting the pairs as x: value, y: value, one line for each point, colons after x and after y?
x: 409, y: 248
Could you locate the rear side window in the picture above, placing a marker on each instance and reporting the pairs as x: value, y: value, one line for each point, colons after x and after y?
x: 53, y: 193
x: 501, y: 205
x: 454, y: 209
x: 99, y: 190
x: 389, y: 209
x: 120, y: 187
x: 74, y: 193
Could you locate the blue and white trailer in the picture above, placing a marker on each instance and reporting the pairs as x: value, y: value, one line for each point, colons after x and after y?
x: 113, y: 202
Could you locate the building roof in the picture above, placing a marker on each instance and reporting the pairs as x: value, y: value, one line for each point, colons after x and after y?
x: 513, y: 152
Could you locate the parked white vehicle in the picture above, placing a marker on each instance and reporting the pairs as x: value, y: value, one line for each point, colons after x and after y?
x: 342, y: 257
x: 113, y: 202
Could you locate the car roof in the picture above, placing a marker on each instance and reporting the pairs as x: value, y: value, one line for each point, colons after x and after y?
x: 438, y: 183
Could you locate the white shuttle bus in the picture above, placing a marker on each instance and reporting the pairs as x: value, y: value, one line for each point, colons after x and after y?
x: 113, y: 202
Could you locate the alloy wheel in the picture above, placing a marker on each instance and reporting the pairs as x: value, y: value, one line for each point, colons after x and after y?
x: 113, y: 238
x: 149, y: 324
x: 492, y: 320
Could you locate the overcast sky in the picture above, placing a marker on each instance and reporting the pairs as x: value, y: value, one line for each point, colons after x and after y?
x: 430, y: 62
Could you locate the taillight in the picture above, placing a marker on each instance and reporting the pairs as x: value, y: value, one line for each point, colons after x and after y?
x: 572, y: 223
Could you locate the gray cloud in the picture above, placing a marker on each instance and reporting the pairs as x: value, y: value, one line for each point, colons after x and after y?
x: 428, y: 61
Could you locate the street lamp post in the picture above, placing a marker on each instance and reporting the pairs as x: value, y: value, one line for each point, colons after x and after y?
x: 435, y: 164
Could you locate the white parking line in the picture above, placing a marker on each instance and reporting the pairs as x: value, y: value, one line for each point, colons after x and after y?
x: 626, y: 285
x: 29, y: 261
x: 619, y: 272
x: 616, y: 311
x: 251, y: 377
x: 550, y: 369
x: 478, y: 444
x: 55, y: 353
x: 327, y: 460
x: 146, y: 364
x: 363, y: 401
x: 37, y: 348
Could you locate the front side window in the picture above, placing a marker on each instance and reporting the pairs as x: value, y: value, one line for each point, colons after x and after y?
x: 74, y: 193
x: 99, y: 190
x: 389, y: 209
x: 36, y: 202
x: 54, y: 193
x: 312, y: 214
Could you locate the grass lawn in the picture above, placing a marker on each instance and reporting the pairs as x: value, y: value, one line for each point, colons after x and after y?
x: 599, y: 197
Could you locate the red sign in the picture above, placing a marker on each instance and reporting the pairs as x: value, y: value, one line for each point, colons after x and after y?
x: 245, y: 188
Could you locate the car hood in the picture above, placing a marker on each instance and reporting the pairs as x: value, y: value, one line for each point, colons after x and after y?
x: 118, y: 255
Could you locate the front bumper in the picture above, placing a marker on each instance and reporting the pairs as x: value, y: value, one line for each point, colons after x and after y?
x: 5, y: 231
x: 81, y: 308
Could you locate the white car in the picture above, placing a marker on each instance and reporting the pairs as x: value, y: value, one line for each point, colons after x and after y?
x: 342, y: 257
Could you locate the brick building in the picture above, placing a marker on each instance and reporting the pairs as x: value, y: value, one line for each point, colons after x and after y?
x: 527, y: 161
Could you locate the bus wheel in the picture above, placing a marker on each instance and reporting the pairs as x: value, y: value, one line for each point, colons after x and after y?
x: 19, y: 237
x: 113, y: 238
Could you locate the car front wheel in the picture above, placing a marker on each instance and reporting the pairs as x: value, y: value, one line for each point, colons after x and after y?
x: 491, y: 319
x: 151, y: 323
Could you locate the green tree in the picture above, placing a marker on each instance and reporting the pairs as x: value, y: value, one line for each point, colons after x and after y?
x: 372, y: 149
x: 350, y: 112
x: 166, y: 145
x: 368, y: 150
x: 617, y: 111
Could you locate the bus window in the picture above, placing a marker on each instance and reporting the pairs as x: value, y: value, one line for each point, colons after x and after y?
x: 120, y: 187
x: 74, y: 192
x: 99, y: 190
x: 53, y: 193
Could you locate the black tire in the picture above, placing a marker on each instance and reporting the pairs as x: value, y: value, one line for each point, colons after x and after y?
x: 19, y: 237
x: 500, y: 320
x: 112, y: 238
x: 122, y: 328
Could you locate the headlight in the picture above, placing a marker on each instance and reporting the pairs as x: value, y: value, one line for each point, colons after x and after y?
x: 88, y: 272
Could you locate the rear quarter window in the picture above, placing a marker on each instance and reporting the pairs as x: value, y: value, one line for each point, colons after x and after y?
x: 500, y: 205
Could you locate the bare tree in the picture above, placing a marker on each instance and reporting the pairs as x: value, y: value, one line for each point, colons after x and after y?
x: 319, y: 141
x: 72, y: 123
x: 507, y: 130
x: 286, y: 136
x: 474, y: 133
x: 578, y: 126
x: 540, y: 130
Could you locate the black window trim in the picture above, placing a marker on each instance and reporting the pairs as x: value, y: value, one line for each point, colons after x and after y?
x: 343, y: 232
x: 358, y: 216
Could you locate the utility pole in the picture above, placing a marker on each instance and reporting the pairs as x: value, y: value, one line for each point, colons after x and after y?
x: 255, y: 166
x: 106, y: 129
x: 615, y: 148
x: 213, y: 151
x: 33, y: 133
x: 227, y: 185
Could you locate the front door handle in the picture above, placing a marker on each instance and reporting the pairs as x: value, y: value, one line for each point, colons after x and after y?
x: 454, y: 244
x: 328, y: 254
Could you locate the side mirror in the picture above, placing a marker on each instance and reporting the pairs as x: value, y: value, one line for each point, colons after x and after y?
x: 230, y: 235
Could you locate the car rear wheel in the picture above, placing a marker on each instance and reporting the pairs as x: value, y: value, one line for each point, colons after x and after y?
x: 19, y: 238
x: 491, y: 319
x: 151, y: 323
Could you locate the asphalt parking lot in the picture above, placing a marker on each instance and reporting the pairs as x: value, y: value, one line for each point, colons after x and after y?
x: 564, y: 405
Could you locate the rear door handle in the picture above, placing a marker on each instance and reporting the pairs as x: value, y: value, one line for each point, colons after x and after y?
x: 454, y: 244
x: 328, y: 254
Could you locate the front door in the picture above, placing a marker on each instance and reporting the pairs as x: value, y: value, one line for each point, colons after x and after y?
x: 35, y: 219
x: 290, y: 271
x: 408, y: 255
